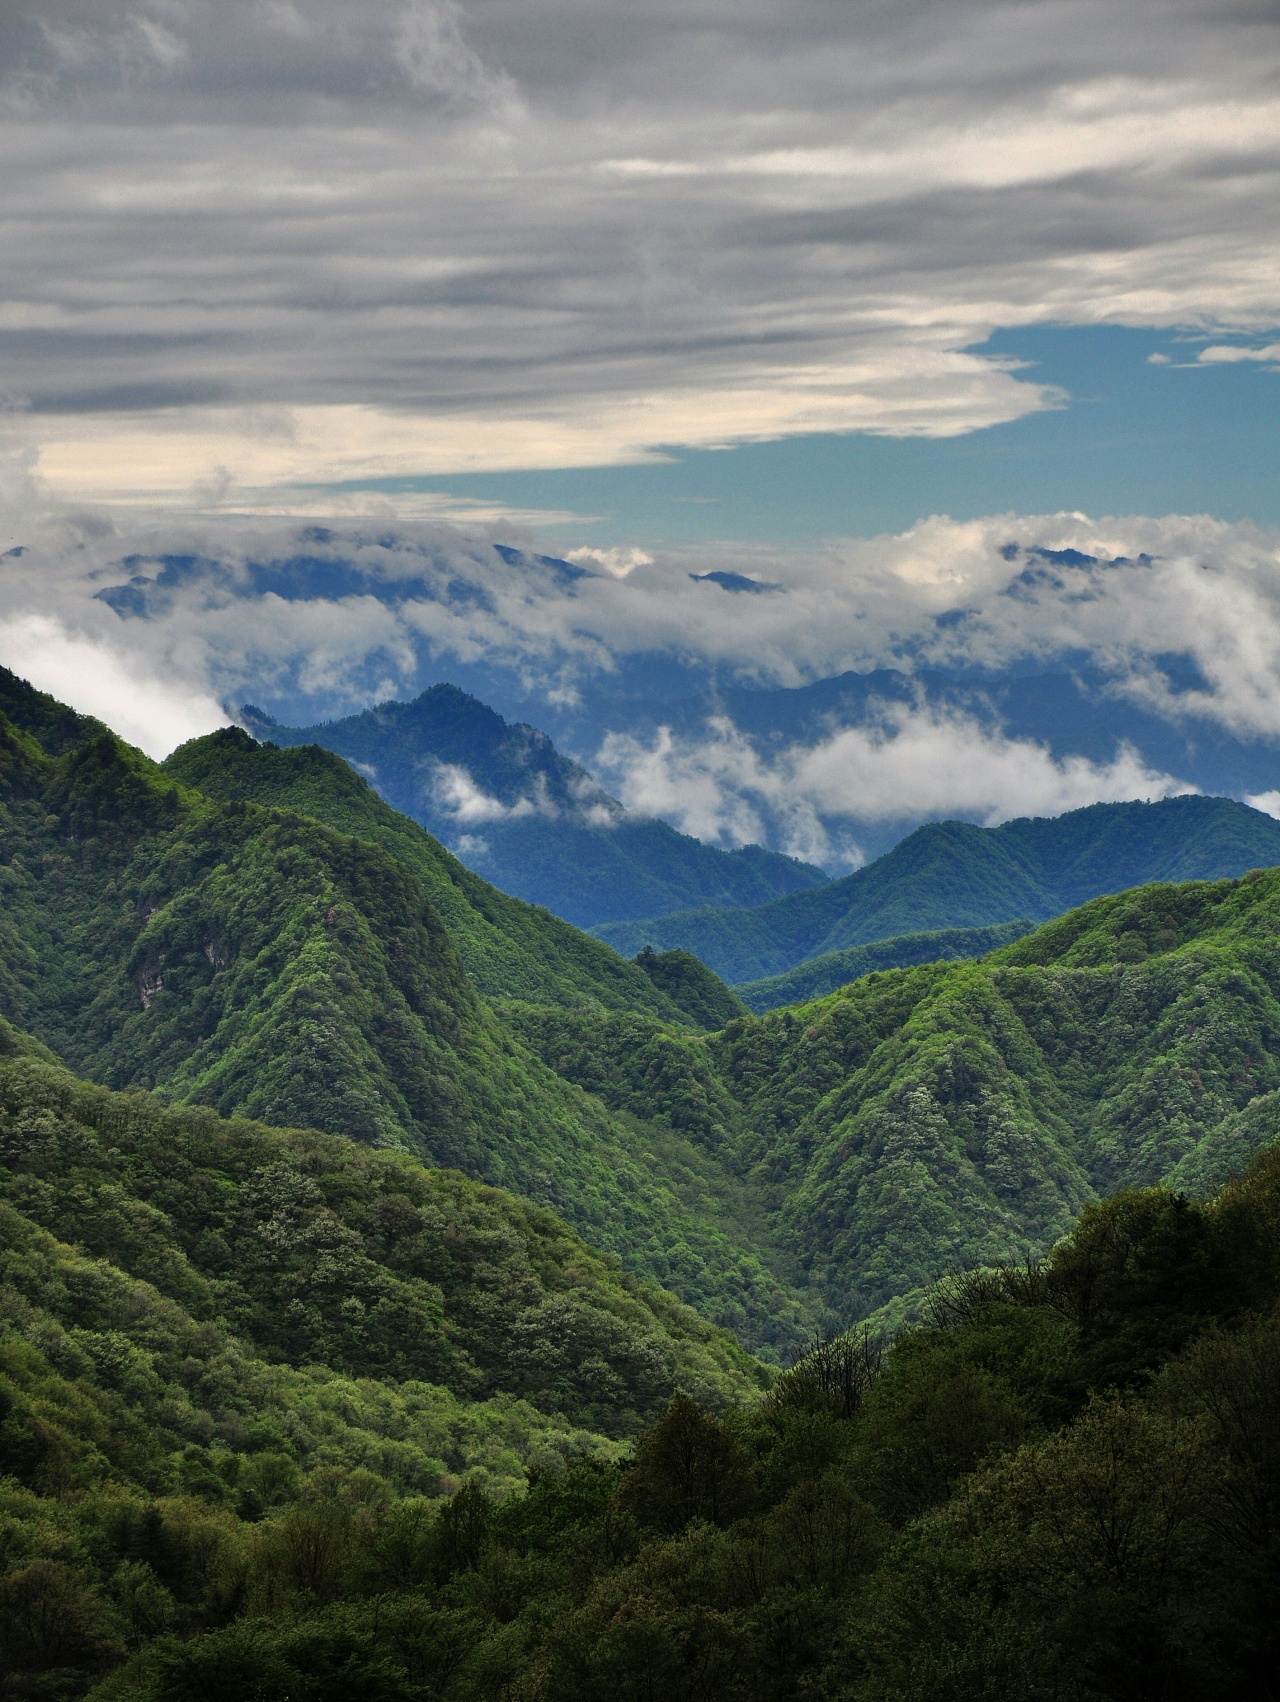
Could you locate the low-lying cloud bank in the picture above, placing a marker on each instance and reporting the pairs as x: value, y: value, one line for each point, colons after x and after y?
x: 157, y: 627
x: 812, y: 801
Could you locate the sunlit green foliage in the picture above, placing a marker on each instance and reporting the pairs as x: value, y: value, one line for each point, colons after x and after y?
x: 320, y: 1251
x: 284, y: 1416
x: 261, y: 963
x: 921, y: 1120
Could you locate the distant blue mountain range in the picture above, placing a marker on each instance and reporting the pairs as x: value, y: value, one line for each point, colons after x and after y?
x: 953, y: 876
x: 530, y: 820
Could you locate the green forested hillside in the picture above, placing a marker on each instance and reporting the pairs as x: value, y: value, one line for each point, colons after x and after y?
x: 821, y: 1162
x: 696, y: 991
x: 257, y: 962
x: 511, y: 949
x: 953, y: 875
x: 925, y: 1119
x: 547, y: 832
x: 1062, y: 1486
x: 287, y: 1416
x: 819, y: 975
x: 311, y: 1250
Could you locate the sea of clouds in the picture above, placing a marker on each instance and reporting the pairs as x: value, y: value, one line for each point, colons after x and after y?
x: 164, y: 628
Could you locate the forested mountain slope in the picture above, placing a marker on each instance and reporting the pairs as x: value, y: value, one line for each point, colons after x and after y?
x: 311, y: 1250
x: 286, y: 1416
x: 529, y: 819
x: 1062, y: 1486
x: 822, y: 1162
x: 834, y: 969
x: 924, y: 1119
x: 954, y: 875
x: 263, y: 964
x: 510, y: 948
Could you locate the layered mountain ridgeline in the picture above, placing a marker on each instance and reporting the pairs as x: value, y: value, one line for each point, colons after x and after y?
x: 510, y: 948
x: 958, y: 1113
x: 819, y: 1162
x: 308, y: 1250
x: 834, y: 969
x: 261, y: 963
x: 953, y: 875
x: 1064, y: 1485
x: 529, y: 819
x: 241, y: 1367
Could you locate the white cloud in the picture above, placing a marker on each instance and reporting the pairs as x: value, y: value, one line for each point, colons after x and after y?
x: 432, y: 47
x: 1218, y: 353
x: 178, y: 457
x: 155, y: 714
x: 382, y: 602
x: 618, y: 561
x: 453, y: 790
x: 913, y: 764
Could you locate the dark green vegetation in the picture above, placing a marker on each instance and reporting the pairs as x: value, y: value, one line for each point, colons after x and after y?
x: 1063, y: 1487
x: 952, y: 875
x: 535, y: 823
x: 834, y: 969
x: 693, y: 988
x: 261, y: 963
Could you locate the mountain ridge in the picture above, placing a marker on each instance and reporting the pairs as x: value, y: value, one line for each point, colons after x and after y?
x: 257, y: 961
x: 510, y: 948
x: 956, y: 875
x: 816, y: 976
x: 528, y: 818
x: 811, y: 1164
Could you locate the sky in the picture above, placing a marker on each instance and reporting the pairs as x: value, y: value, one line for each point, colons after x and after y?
x: 837, y: 296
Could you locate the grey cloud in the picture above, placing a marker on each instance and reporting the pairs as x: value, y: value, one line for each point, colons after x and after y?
x: 250, y: 52
x: 711, y: 212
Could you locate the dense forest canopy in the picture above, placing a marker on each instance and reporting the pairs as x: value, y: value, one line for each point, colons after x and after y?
x: 1063, y: 1482
x: 404, y: 1295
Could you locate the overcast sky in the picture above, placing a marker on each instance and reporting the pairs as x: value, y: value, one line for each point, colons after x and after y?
x: 671, y: 286
x: 252, y: 242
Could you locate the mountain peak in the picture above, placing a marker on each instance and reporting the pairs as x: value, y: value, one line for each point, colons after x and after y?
x: 530, y: 819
